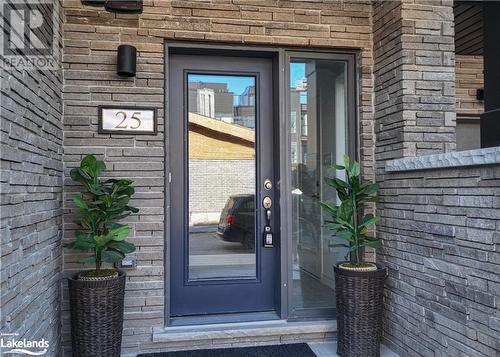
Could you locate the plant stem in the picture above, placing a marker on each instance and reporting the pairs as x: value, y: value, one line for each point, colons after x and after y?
x: 355, y: 225
x: 98, y: 261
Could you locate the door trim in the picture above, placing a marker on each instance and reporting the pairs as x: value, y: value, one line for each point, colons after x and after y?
x: 281, y: 58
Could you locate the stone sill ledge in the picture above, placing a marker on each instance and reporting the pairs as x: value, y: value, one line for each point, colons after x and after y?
x: 487, y: 156
x: 242, y: 330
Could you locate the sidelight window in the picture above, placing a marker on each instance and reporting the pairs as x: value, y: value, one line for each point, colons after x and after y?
x: 318, y: 96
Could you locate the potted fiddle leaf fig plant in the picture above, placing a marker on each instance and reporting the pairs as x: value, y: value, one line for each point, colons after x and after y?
x: 359, y: 284
x: 97, y: 295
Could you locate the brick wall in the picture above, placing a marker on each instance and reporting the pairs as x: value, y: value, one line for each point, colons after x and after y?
x: 91, y: 37
x: 442, y: 247
x: 31, y: 198
x: 212, y: 182
x: 469, y: 78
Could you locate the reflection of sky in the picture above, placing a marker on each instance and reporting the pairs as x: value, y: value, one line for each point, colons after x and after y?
x: 235, y: 84
x: 298, y: 72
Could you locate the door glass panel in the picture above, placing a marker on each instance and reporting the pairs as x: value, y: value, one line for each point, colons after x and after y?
x: 221, y: 171
x: 317, y: 98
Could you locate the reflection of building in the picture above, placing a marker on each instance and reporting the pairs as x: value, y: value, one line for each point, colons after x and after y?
x: 221, y: 164
x: 298, y: 122
x: 247, y: 98
x: 244, y: 112
x: 244, y: 115
x: 205, y: 102
x: 214, y: 100
x: 211, y: 100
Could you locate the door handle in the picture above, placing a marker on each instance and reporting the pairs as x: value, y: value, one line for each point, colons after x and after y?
x: 268, y: 232
x: 267, y: 202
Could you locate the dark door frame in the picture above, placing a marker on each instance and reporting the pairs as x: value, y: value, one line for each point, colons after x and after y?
x: 281, y: 57
x: 234, y: 295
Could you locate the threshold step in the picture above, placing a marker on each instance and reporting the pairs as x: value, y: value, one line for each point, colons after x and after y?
x: 257, y: 329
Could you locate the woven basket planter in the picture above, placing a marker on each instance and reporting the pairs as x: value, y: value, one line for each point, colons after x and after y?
x: 96, y: 316
x: 359, y: 311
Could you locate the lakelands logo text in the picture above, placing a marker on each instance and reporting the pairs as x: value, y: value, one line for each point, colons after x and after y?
x: 9, y: 344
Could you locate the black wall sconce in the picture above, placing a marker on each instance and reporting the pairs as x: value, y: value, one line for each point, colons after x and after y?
x: 126, y: 61
x: 126, y: 6
x: 480, y: 94
x: 94, y: 2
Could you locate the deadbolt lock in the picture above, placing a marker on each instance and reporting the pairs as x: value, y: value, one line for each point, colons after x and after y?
x: 267, y: 202
x: 268, y: 184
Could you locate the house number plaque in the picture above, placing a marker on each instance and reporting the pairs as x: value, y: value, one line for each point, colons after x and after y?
x: 127, y: 120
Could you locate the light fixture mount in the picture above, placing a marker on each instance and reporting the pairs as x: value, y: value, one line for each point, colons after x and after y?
x: 93, y: 2
x: 126, y: 6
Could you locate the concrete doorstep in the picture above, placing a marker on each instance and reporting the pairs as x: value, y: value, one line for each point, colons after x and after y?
x: 320, y: 336
x: 329, y: 349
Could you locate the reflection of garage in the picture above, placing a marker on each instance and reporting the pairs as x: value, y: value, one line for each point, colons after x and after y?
x: 221, y: 164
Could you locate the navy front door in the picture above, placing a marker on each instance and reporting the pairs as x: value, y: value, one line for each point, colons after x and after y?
x: 221, y: 163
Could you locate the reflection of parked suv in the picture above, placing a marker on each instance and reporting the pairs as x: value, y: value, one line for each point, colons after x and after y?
x: 237, y: 220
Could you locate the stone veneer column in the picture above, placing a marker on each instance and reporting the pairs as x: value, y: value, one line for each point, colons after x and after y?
x: 414, y: 78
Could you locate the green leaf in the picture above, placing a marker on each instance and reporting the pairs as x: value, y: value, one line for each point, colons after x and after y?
x: 330, y: 209
x: 347, y: 235
x: 369, y: 220
x: 70, y: 245
x: 345, y: 210
x: 132, y: 209
x: 82, y: 245
x: 129, y: 191
x: 371, y: 188
x: 338, y: 245
x: 333, y: 226
x: 96, y: 190
x: 347, y: 162
x: 79, y: 201
x: 88, y: 260
x: 100, y: 167
x: 111, y: 256
x: 338, y: 167
x: 83, y: 241
x: 119, y: 233
x: 123, y: 247
x: 88, y: 161
x: 92, y: 166
x: 355, y: 171
x: 341, y: 183
x: 345, y: 224
x: 374, y: 244
x: 75, y: 175
x: 121, y: 216
x: 124, y: 182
